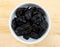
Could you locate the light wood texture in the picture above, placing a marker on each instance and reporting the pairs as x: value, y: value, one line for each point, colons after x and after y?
x: 53, y: 38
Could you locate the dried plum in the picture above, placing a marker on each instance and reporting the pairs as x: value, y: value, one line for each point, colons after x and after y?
x: 34, y: 35
x: 26, y: 36
x: 19, y: 31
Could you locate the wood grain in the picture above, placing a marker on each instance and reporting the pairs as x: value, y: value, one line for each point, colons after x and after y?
x: 53, y: 38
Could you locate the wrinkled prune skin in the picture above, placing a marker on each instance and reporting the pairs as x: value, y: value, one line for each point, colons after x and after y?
x: 29, y: 22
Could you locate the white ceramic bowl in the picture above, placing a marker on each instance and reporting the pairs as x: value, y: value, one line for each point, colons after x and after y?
x: 21, y: 39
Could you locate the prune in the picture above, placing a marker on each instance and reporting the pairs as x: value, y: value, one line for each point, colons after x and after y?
x: 28, y: 14
x: 30, y: 22
x: 22, y: 19
x: 44, y: 25
x: 19, y: 31
x: 19, y: 22
x: 26, y: 36
x: 14, y: 24
x: 35, y: 28
x: 33, y: 10
x: 27, y: 29
x: 41, y: 32
x: 20, y: 12
x: 34, y: 35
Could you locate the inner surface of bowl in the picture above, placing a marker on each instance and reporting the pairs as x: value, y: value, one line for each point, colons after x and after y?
x: 30, y: 40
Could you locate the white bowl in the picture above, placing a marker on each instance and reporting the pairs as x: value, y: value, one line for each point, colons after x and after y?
x: 30, y: 40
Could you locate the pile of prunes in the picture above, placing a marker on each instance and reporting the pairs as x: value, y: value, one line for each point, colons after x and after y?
x: 29, y: 22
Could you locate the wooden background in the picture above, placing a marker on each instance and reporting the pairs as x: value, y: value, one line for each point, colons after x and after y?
x: 53, y: 38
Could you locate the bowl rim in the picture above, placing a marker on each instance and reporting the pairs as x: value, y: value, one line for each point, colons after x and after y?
x: 41, y: 38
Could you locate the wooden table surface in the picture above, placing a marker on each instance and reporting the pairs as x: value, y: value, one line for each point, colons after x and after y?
x: 53, y: 38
